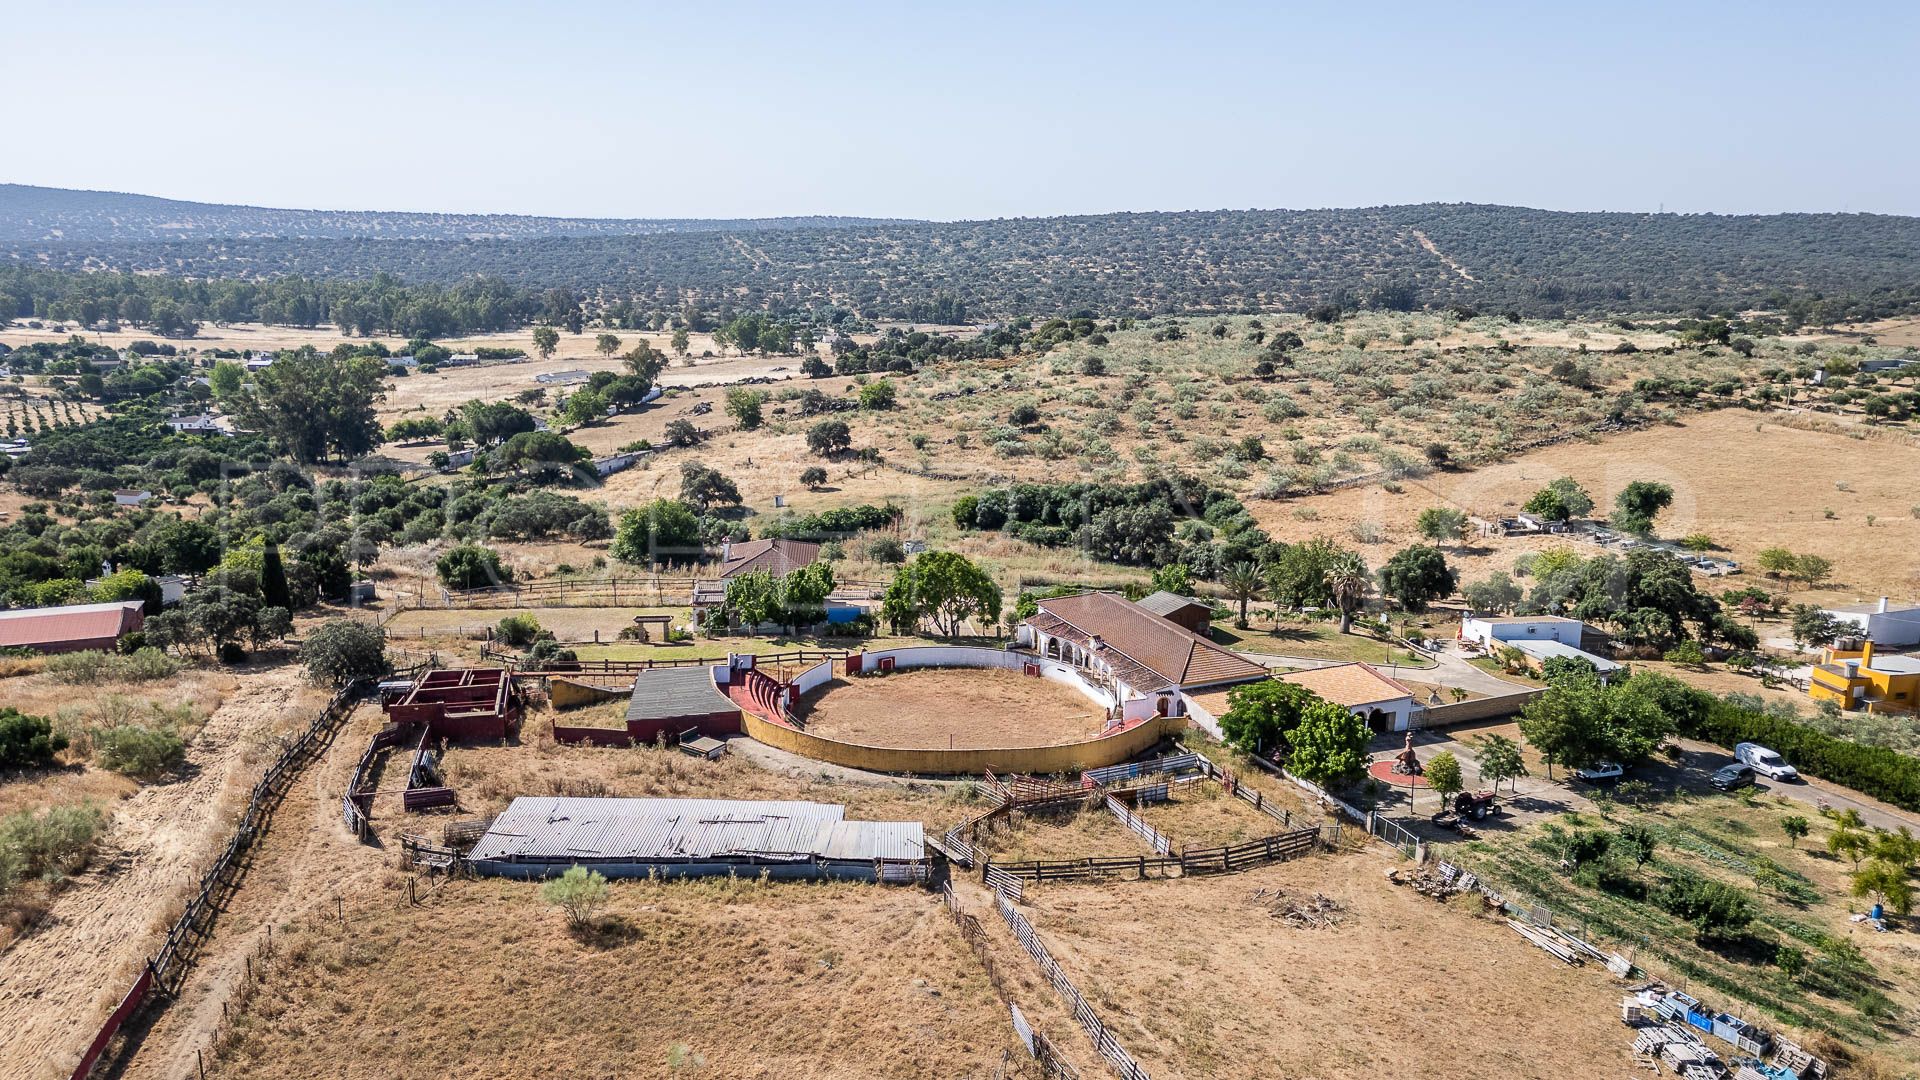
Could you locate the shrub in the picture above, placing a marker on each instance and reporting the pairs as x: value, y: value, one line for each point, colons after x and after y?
x: 46, y: 845
x: 1717, y: 911
x: 27, y: 740
x: 342, y: 650
x: 138, y: 749
x: 517, y: 631
x: 579, y: 892
x: 146, y: 664
x: 471, y: 566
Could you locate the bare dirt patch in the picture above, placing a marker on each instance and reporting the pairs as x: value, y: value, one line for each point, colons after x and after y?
x: 1072, y: 832
x: 966, y: 708
x: 1197, y: 978
x: 1203, y: 814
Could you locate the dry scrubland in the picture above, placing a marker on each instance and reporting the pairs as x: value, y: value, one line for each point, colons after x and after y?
x: 58, y: 978
x: 1750, y: 481
x: 1363, y: 398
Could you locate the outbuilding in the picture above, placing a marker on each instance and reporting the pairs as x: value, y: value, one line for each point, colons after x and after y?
x: 1890, y: 625
x: 72, y: 628
x: 538, y: 837
x: 1385, y: 703
x: 1491, y: 632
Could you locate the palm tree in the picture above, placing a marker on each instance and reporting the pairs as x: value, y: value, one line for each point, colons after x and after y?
x: 1349, y: 582
x: 1242, y: 581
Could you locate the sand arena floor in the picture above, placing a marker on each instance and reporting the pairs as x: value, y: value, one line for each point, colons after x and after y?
x: 965, y: 708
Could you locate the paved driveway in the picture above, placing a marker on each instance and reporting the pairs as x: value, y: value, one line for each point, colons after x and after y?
x: 1539, y: 798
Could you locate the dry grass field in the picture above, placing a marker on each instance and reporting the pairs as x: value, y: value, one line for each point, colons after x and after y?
x: 1745, y: 480
x: 1197, y: 978
x: 58, y: 978
x: 716, y: 978
x: 1080, y: 831
x: 960, y: 708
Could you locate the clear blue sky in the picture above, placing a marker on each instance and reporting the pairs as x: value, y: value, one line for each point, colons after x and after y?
x: 967, y: 111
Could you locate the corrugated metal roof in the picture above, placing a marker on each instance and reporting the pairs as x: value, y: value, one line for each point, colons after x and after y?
x: 664, y: 693
x: 30, y: 627
x: 650, y: 830
x: 869, y: 840
x: 1544, y: 649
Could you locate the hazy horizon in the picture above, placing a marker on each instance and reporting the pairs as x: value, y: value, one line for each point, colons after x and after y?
x: 992, y: 111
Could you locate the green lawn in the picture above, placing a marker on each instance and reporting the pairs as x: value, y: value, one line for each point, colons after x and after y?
x: 708, y: 648
x: 1320, y: 641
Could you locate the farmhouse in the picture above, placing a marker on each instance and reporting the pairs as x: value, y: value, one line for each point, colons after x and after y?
x: 131, y: 496
x: 199, y: 424
x: 1853, y: 676
x: 1888, y: 624
x: 538, y: 837
x: 613, y: 463
x: 1179, y: 610
x: 74, y: 628
x: 563, y: 378
x: 1384, y: 703
x: 1141, y: 652
x: 776, y: 557
x: 461, y: 703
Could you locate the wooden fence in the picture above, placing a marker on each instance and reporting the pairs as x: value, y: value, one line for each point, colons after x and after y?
x: 1118, y: 1059
x: 1161, y: 845
x: 646, y: 591
x: 629, y: 667
x: 168, y: 966
x: 1036, y: 1042
x: 1279, y: 847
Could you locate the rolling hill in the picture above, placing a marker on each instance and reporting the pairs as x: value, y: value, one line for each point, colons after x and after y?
x: 1489, y: 257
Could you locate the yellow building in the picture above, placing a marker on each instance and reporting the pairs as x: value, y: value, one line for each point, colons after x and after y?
x: 1855, y: 678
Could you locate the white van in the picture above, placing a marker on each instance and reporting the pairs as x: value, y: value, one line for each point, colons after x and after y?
x: 1764, y: 761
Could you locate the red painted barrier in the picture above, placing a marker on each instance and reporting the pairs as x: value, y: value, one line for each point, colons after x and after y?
x: 141, y: 987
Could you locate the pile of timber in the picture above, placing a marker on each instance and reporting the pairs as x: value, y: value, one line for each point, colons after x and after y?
x: 1315, y: 912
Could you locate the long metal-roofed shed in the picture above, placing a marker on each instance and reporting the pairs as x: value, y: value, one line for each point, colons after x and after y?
x: 543, y: 836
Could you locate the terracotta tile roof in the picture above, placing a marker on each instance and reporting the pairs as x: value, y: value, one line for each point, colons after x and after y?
x: 1349, y: 684
x: 777, y: 557
x: 1176, y: 655
x: 36, y: 627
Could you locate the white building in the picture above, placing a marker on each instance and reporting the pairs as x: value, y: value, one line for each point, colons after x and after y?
x: 202, y: 424
x: 1385, y: 703
x: 1130, y: 649
x: 1490, y: 632
x: 131, y: 497
x: 1888, y: 624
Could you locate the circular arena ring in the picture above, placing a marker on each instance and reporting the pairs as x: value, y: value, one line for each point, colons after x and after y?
x: 943, y: 710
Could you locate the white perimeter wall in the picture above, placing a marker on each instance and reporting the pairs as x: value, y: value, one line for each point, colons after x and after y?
x: 814, y: 677
x: 964, y: 656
